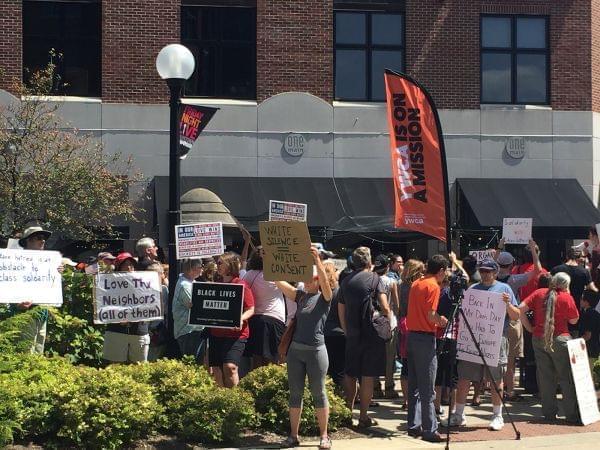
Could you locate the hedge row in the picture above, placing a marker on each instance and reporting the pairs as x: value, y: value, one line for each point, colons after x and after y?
x: 51, y: 401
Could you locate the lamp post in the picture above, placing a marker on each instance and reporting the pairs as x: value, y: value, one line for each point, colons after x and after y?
x: 175, y: 64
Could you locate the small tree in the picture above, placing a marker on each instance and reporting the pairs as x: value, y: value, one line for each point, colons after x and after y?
x: 53, y: 174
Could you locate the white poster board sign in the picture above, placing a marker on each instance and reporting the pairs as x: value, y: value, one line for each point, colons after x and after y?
x: 480, y: 255
x: 584, y: 386
x: 485, y: 312
x: 516, y: 231
x: 127, y: 297
x: 199, y: 240
x: 30, y: 276
x: 287, y: 211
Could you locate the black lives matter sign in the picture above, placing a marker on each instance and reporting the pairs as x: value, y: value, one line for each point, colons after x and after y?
x: 217, y: 305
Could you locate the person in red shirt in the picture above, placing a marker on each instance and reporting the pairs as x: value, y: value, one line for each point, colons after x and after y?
x: 553, y: 310
x: 422, y: 320
x: 226, y: 346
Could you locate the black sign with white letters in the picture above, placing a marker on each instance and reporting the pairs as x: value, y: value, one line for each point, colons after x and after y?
x: 217, y: 305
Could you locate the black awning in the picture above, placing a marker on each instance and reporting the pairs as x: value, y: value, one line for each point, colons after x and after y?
x: 362, y: 205
x: 552, y: 203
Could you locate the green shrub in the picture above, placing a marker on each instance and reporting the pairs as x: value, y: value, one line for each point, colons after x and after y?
x: 35, y: 382
x: 105, y: 410
x: 269, y: 387
x: 217, y: 416
x: 78, y: 294
x: 14, y: 331
x: 74, y: 338
x: 10, y: 412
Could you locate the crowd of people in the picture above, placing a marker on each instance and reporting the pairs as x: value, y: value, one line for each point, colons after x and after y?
x: 327, y: 325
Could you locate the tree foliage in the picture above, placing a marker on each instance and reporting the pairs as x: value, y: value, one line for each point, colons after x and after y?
x: 51, y: 173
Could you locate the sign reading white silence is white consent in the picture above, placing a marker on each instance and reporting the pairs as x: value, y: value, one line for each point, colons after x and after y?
x: 584, y: 385
x: 127, y: 297
x: 485, y: 312
x: 30, y: 276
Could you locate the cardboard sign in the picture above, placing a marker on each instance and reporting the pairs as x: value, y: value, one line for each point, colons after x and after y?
x: 516, y: 231
x: 287, y: 211
x: 217, y: 305
x: 584, y: 386
x: 199, y: 240
x: 480, y: 255
x: 287, y: 251
x: 30, y: 276
x: 127, y: 297
x: 485, y: 312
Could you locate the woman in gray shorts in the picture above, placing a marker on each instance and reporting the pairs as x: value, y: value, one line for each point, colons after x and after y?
x: 307, y: 354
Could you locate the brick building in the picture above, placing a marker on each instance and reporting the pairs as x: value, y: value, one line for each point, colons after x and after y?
x: 517, y: 84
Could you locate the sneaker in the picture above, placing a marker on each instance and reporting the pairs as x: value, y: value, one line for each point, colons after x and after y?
x: 497, y: 423
x: 455, y: 420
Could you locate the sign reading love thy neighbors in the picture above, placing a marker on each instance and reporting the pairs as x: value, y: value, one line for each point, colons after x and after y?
x: 485, y: 312
x: 287, y: 211
x: 584, y: 386
x: 480, y: 255
x: 287, y: 251
x: 30, y: 276
x: 217, y: 305
x: 516, y: 231
x: 127, y: 297
x: 199, y: 240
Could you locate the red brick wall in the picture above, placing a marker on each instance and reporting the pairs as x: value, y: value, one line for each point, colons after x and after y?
x: 595, y: 48
x: 443, y: 50
x: 11, y: 50
x: 133, y: 32
x: 294, y: 47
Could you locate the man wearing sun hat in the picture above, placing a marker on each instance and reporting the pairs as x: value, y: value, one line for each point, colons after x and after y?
x: 474, y: 372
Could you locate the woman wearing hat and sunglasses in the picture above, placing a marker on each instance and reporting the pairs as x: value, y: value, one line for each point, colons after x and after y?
x: 34, y: 238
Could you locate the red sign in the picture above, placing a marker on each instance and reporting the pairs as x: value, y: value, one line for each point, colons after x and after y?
x: 418, y: 158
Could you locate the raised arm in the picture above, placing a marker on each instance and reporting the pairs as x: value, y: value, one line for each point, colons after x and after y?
x: 288, y: 290
x: 247, y: 241
x: 458, y: 264
x: 323, y: 282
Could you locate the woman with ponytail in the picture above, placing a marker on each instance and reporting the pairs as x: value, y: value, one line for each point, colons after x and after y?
x: 553, y: 310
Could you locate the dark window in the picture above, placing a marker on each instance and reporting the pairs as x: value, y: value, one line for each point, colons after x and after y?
x: 223, y: 41
x: 72, y: 29
x: 366, y: 43
x: 514, y: 60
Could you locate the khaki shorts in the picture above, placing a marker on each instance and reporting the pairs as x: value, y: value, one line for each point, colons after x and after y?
x: 121, y: 347
x: 471, y: 371
x: 515, y: 339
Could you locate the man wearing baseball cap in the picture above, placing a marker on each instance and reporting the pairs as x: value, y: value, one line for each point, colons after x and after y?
x: 470, y: 371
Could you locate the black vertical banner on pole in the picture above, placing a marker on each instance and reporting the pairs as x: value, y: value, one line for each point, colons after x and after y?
x: 193, y: 120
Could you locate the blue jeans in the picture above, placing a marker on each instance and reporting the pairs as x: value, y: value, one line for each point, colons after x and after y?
x: 422, y: 367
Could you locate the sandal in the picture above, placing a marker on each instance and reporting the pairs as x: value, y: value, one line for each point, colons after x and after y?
x: 290, y: 442
x: 325, y: 443
x: 366, y: 423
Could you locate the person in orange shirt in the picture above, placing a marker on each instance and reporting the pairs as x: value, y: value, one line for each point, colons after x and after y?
x: 422, y: 320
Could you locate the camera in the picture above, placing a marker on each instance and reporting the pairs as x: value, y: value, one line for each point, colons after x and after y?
x: 458, y: 284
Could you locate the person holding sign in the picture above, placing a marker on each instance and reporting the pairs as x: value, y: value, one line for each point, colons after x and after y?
x: 191, y: 339
x: 226, y: 346
x: 554, y: 309
x: 34, y: 238
x: 127, y: 341
x: 469, y: 371
x: 307, y: 353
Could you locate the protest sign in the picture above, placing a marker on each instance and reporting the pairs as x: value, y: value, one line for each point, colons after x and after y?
x: 127, y: 297
x: 480, y: 255
x: 485, y: 312
x: 287, y: 211
x: 516, y: 231
x: 287, y: 251
x: 30, y: 276
x: 217, y: 305
x: 584, y: 386
x: 199, y: 240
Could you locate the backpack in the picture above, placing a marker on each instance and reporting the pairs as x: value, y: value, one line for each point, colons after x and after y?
x: 375, y: 325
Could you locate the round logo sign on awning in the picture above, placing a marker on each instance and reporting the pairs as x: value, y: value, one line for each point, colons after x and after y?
x: 515, y: 147
x: 294, y: 144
